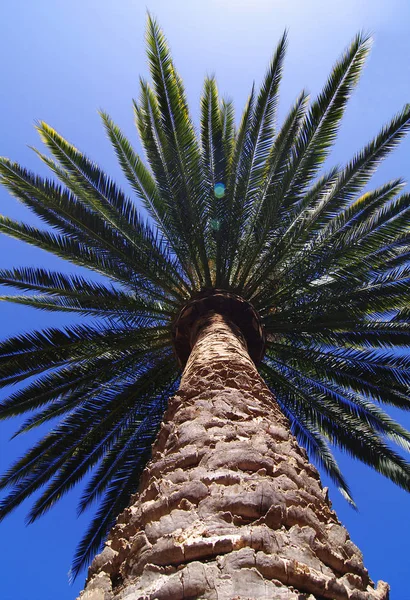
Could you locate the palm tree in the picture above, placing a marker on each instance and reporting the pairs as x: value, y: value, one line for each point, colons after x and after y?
x: 280, y: 294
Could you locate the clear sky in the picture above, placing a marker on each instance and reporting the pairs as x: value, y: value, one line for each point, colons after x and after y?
x: 61, y: 61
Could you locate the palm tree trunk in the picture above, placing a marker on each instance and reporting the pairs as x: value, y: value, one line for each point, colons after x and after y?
x: 229, y: 506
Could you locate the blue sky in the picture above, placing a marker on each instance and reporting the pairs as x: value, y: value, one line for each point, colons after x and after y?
x: 62, y: 61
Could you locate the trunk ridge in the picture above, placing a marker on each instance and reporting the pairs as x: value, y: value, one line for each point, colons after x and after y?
x: 229, y: 507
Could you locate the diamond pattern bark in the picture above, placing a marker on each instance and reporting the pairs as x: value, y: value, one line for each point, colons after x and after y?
x: 229, y: 507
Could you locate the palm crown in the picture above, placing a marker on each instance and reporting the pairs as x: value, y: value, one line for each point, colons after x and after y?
x: 240, y: 209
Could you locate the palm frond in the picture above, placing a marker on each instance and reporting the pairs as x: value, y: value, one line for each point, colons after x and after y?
x: 320, y: 126
x: 232, y: 204
x: 67, y: 248
x: 180, y: 139
x: 339, y: 423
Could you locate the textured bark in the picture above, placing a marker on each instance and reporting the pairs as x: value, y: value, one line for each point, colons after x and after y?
x: 229, y: 507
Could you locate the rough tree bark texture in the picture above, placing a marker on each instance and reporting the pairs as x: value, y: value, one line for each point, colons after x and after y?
x: 229, y: 507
